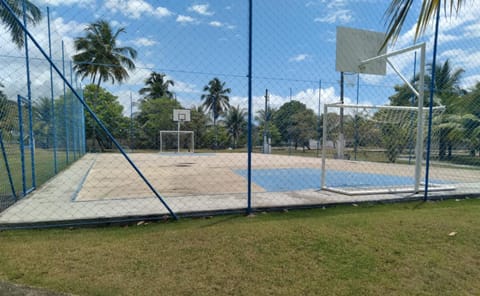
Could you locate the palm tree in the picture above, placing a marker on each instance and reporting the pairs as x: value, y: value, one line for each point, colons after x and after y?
x: 236, y: 123
x: 2, y: 95
x: 216, y: 100
x: 33, y: 16
x: 157, y: 87
x: 448, y: 93
x: 99, y: 57
x: 43, y: 120
x: 3, y: 106
x: 398, y: 10
x: 446, y: 83
x: 260, y: 117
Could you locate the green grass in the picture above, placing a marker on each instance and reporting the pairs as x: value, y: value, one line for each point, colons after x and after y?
x: 44, y: 168
x: 396, y: 249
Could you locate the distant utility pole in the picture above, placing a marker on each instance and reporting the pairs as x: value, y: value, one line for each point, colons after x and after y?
x: 266, y: 144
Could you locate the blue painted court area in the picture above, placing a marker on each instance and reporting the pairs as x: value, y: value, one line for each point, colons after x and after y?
x: 291, y: 179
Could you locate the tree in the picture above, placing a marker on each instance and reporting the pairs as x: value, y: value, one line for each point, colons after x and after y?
x: 394, y: 139
x: 448, y: 93
x: 398, y: 10
x: 236, y: 123
x: 469, y: 102
x: 216, y: 100
x: 302, y: 128
x: 290, y: 124
x: 260, y: 117
x: 33, y: 16
x: 109, y: 110
x: 272, y: 131
x: 155, y: 115
x: 42, y: 115
x: 157, y: 87
x: 99, y: 57
x: 8, y: 114
x: 198, y: 124
x: 403, y: 94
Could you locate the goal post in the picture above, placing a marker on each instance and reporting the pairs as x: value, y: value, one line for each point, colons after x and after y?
x: 177, y: 141
x: 385, y: 141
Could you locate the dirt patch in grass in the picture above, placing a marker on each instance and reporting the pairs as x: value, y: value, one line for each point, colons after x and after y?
x: 18, y: 290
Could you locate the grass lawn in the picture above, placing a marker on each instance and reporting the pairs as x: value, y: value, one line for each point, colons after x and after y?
x: 395, y: 249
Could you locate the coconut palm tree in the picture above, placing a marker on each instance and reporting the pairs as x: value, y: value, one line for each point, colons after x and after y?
x: 42, y: 114
x: 3, y: 106
x: 236, y: 123
x: 447, y: 87
x: 157, y: 87
x: 398, y: 10
x: 216, y: 100
x: 99, y: 57
x: 33, y: 16
x: 448, y: 93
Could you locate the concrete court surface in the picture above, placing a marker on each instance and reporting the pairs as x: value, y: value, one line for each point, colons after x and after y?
x: 104, y: 186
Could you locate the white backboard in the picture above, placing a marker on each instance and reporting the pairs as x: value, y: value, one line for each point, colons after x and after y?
x: 181, y: 115
x: 355, y: 46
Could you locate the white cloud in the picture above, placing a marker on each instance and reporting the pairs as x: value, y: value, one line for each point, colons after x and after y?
x: 221, y: 25
x: 342, y: 16
x: 469, y: 82
x: 65, y: 2
x: 185, y: 19
x: 136, y: 8
x: 142, y: 41
x: 201, y: 9
x: 299, y: 58
x: 216, y: 24
x: 162, y: 12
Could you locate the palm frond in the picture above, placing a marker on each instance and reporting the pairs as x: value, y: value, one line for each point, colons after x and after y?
x: 398, y: 10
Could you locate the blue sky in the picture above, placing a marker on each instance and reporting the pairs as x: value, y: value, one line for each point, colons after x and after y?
x: 294, y: 46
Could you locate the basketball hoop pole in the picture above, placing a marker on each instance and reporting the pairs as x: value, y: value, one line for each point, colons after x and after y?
x: 419, y: 93
x: 178, y: 137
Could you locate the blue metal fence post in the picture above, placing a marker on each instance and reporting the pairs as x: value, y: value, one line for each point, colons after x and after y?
x: 249, y: 156
x: 73, y: 117
x: 65, y: 122
x: 52, y: 107
x: 22, y: 146
x: 319, y: 113
x: 29, y: 96
x: 82, y: 122
x: 430, y: 109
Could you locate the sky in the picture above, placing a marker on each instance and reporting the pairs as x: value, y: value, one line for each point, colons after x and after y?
x: 293, y: 55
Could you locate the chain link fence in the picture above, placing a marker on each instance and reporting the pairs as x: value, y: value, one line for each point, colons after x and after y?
x: 130, y: 110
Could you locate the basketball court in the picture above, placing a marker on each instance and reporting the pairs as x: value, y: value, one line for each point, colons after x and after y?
x: 103, y: 186
x: 110, y: 177
x: 107, y: 186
